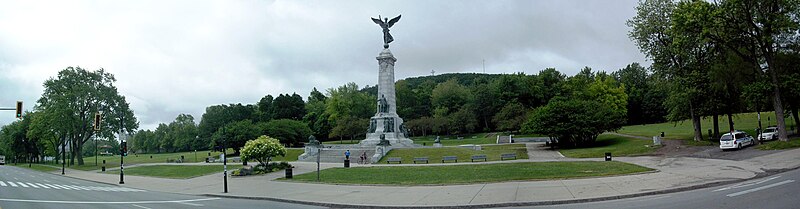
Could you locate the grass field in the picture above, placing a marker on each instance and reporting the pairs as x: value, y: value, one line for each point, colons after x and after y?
x: 779, y: 145
x: 175, y: 171
x: 467, y: 174
x: 616, y: 145
x: 746, y: 122
x: 38, y: 167
x: 434, y: 155
x: 480, y: 138
x: 189, y: 157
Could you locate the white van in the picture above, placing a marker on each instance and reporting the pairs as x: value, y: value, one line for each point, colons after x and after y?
x: 735, y: 140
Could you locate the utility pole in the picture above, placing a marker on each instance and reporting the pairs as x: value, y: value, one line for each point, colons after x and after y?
x: 63, y: 155
x: 224, y: 161
x: 484, y: 66
x: 122, y: 151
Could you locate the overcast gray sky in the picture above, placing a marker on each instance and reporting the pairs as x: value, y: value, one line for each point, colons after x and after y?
x: 172, y: 57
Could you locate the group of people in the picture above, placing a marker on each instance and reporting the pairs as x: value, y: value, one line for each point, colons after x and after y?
x: 362, y: 160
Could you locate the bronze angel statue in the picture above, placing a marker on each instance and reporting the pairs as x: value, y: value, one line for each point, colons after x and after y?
x: 386, y: 24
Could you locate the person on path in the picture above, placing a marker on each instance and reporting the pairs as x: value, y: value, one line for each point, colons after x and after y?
x: 347, y: 155
x: 363, y: 157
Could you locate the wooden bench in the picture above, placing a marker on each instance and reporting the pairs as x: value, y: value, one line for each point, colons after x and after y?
x: 420, y: 159
x: 394, y: 159
x: 508, y: 156
x: 478, y: 157
x: 449, y: 158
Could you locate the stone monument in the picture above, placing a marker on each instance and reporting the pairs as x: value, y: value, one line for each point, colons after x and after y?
x: 386, y: 122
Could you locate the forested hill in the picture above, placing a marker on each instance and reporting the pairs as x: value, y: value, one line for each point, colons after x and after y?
x: 466, y: 79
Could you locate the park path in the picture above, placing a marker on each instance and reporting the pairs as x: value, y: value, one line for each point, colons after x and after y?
x: 538, y: 151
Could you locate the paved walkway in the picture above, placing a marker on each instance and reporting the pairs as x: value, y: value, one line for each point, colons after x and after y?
x: 673, y: 174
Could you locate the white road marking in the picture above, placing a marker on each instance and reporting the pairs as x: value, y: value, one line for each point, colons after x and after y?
x: 12, y: 184
x: 33, y: 185
x: 88, y: 202
x: 760, y: 188
x: 140, y: 206
x: 43, y: 186
x: 2, y: 184
x: 54, y: 186
x: 192, y: 204
x: 23, y: 185
x: 747, y: 184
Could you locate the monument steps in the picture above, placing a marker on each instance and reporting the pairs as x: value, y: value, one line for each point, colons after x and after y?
x: 337, y: 155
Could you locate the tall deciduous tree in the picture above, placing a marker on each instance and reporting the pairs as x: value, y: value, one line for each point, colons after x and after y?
x: 757, y: 31
x: 70, y: 101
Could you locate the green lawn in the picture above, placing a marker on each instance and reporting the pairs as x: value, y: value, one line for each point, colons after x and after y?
x: 616, y: 145
x: 466, y: 174
x: 747, y: 122
x: 779, y: 145
x: 38, y: 167
x: 189, y: 157
x: 175, y: 171
x: 479, y: 138
x: 434, y: 155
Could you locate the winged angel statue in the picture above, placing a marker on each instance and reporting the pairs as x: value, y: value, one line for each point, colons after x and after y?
x: 386, y: 24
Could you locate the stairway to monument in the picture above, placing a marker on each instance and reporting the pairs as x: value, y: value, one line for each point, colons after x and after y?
x: 337, y: 155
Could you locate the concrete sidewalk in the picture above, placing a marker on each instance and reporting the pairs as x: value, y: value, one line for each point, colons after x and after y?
x: 674, y: 174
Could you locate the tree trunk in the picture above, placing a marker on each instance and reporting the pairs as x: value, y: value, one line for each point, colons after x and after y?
x: 778, y: 104
x: 796, y: 120
x: 716, y: 127
x: 698, y: 132
x: 730, y: 122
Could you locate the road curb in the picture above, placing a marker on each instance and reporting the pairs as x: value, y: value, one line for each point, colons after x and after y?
x: 514, y: 204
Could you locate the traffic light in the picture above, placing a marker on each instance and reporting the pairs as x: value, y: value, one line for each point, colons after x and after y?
x: 124, y: 149
x: 19, y: 109
x: 97, y: 122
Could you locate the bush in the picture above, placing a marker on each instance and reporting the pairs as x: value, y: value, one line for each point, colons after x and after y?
x: 574, y: 122
x: 262, y: 149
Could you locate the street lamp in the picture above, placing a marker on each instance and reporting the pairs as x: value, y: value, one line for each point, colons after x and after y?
x: 224, y: 161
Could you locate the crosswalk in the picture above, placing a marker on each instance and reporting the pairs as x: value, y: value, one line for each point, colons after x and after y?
x: 65, y: 187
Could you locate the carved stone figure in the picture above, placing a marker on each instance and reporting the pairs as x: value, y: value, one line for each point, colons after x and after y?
x: 312, y: 140
x: 386, y: 24
x: 437, y: 140
x: 372, y: 126
x: 383, y: 106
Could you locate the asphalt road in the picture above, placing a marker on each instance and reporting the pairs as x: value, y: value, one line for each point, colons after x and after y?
x: 23, y: 188
x: 777, y: 191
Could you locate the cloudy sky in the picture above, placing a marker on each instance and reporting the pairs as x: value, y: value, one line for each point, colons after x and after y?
x: 172, y: 57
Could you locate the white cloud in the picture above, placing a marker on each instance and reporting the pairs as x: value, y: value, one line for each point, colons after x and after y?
x: 174, y: 57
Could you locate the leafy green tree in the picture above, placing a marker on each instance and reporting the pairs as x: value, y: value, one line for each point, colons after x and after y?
x: 288, y: 106
x: 511, y: 117
x: 262, y: 149
x: 316, y: 117
x: 757, y: 31
x: 218, y: 116
x: 265, y: 111
x: 348, y: 110
x: 420, y: 126
x: 184, y: 134
x: 71, y: 99
x: 450, y: 95
x: 289, y: 132
x: 574, y: 122
x: 165, y: 141
x: 236, y: 134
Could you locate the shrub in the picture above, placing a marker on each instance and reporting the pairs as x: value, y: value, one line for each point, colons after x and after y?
x: 262, y: 149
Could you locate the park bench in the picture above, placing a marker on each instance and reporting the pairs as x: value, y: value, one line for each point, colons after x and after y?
x: 420, y: 159
x: 450, y: 158
x: 394, y: 159
x: 478, y: 157
x: 508, y: 156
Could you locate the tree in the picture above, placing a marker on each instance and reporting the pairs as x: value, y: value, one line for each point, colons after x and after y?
x: 511, y: 117
x: 288, y: 106
x: 262, y: 149
x: 183, y: 132
x: 316, y: 117
x: 265, y: 111
x: 678, y: 51
x: 289, y: 132
x: 70, y: 101
x: 236, y: 134
x: 348, y: 110
x: 573, y: 122
x: 218, y: 116
x: 450, y: 95
x: 757, y: 31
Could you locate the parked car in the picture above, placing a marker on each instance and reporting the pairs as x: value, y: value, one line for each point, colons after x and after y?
x: 2, y: 160
x: 735, y: 140
x: 771, y: 133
